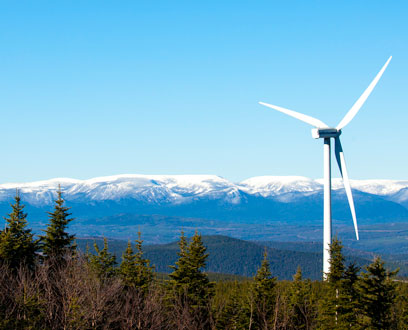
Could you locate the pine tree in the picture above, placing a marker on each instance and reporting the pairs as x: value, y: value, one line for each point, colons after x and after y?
x: 56, y: 242
x: 103, y: 263
x: 135, y: 269
x: 17, y: 245
x: 264, y: 295
x: 377, y: 295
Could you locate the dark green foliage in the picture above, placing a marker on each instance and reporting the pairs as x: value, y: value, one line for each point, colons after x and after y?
x: 348, y: 298
x: 17, y: 245
x: 188, y: 284
x: 229, y: 255
x: 331, y: 311
x: 188, y: 276
x: 336, y: 269
x: 56, y: 242
x: 127, y: 269
x: 400, y: 309
x: 234, y: 256
x: 180, y: 273
x: 103, y: 263
x: 135, y: 270
x: 301, y: 302
x: 377, y: 295
x: 264, y: 295
x: 234, y: 309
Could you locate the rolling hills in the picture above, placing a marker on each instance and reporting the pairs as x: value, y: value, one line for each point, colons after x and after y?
x: 238, y: 257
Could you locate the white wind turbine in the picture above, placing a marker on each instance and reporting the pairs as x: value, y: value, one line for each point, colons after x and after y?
x: 325, y: 132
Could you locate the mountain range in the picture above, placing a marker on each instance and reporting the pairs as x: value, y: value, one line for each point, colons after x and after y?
x: 260, y: 208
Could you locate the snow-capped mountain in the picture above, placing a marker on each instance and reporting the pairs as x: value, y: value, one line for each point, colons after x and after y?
x: 264, y: 198
x: 176, y: 188
x: 147, y: 188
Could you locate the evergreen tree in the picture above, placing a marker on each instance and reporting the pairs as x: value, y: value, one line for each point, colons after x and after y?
x: 330, y: 308
x: 135, y: 269
x: 301, y: 302
x: 180, y: 275
x: 17, y: 245
x: 188, y: 282
x: 56, y: 242
x: 400, y: 310
x: 264, y: 295
x: 103, y: 263
x: 144, y: 272
x: 349, y: 298
x: 377, y: 295
x: 235, y: 315
x: 336, y: 268
x: 127, y: 269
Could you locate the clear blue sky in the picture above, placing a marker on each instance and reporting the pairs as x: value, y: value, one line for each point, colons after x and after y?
x: 94, y: 88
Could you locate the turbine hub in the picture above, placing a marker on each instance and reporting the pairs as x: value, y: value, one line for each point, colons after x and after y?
x: 321, y: 133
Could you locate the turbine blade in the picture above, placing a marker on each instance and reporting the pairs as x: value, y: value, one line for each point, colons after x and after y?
x: 359, y: 103
x: 305, y: 118
x: 343, y: 170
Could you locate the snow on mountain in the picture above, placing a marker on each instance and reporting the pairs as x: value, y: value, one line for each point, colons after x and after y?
x: 176, y: 189
x: 268, y: 186
x: 375, y: 187
x: 148, y: 188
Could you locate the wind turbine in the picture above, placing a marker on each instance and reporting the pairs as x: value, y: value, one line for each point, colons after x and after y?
x: 325, y: 132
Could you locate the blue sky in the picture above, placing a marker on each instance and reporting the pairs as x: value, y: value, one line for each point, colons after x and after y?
x: 94, y: 88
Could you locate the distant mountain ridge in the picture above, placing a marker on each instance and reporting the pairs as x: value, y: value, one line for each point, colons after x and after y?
x: 181, y: 188
x: 261, y: 208
x: 212, y: 197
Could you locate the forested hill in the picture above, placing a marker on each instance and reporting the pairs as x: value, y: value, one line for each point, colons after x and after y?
x: 230, y: 256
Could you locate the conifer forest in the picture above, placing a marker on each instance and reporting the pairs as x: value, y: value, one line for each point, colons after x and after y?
x: 46, y: 282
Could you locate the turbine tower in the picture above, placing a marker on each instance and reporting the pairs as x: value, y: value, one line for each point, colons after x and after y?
x: 323, y: 131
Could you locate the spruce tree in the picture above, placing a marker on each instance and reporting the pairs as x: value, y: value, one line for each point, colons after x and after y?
x: 103, y: 262
x: 56, y: 242
x: 336, y: 269
x: 349, y: 298
x: 188, y: 282
x: 127, y: 269
x: 400, y: 310
x: 144, y: 272
x: 180, y: 275
x: 235, y: 314
x: 330, y: 313
x: 135, y: 270
x: 17, y: 244
x: 264, y: 295
x: 301, y: 302
x: 377, y: 295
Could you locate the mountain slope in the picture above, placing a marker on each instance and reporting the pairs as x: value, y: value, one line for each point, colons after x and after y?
x: 285, y: 198
x: 260, y: 208
x: 233, y: 256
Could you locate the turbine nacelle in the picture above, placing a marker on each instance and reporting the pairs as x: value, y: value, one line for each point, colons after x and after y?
x: 322, y: 133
